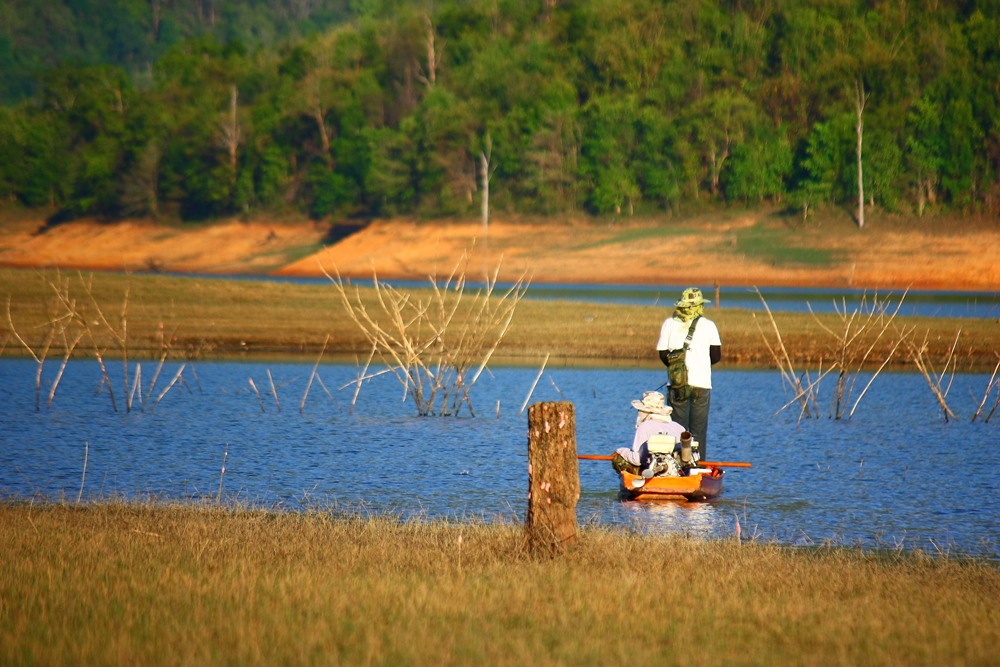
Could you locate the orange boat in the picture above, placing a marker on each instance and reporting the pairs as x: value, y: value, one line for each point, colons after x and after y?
x: 699, y: 484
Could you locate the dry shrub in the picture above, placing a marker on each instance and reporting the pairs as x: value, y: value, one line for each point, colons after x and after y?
x: 437, y: 347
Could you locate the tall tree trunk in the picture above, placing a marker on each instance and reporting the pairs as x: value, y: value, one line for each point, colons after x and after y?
x: 432, y: 59
x: 860, y: 97
x: 232, y: 133
x: 484, y: 175
x: 323, y: 134
x: 235, y: 132
x: 553, y: 477
x: 155, y: 6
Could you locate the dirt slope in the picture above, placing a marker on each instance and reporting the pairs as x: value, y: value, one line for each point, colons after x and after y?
x: 745, y: 249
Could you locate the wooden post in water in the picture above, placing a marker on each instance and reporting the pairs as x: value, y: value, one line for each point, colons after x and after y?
x: 553, y: 477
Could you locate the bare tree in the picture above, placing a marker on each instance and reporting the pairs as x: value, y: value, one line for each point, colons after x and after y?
x: 986, y: 394
x: 231, y: 134
x: 939, y: 383
x: 863, y: 329
x: 433, y: 53
x: 315, y: 107
x: 854, y: 346
x: 437, y: 347
x: 860, y: 98
x: 485, y: 174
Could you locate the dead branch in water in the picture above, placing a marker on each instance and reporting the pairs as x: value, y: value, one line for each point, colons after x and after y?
x: 862, y: 332
x: 986, y: 394
x: 533, y: 385
x: 177, y: 376
x: 312, y: 375
x: 255, y: 391
x: 804, y: 395
x: 863, y: 329
x: 39, y: 356
x: 437, y: 347
x: 274, y: 391
x: 935, y: 380
x: 79, y: 319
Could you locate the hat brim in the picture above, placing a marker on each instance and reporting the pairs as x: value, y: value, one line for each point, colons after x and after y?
x: 666, y: 410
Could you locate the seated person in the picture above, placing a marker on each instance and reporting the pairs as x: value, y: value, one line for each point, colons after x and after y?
x: 653, y: 417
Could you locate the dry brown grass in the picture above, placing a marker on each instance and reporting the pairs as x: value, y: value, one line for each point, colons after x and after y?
x: 222, y: 318
x: 115, y: 584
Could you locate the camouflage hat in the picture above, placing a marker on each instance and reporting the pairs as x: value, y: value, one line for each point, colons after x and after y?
x: 654, y: 403
x: 691, y: 297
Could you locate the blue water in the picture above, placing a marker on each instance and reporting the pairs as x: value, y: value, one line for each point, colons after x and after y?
x: 916, y: 303
x: 896, y: 475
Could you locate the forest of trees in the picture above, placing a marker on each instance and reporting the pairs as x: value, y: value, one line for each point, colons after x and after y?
x: 194, y: 109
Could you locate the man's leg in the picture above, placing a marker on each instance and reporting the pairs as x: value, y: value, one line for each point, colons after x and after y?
x: 681, y: 413
x: 698, y: 418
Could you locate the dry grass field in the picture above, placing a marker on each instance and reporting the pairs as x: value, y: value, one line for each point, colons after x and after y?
x: 115, y: 584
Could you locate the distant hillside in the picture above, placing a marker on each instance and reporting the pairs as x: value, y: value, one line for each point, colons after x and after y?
x: 38, y: 35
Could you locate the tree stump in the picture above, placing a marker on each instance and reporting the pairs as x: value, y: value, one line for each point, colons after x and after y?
x: 553, y: 477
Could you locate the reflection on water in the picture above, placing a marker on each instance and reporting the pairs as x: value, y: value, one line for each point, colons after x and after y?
x: 666, y: 516
x: 895, y: 476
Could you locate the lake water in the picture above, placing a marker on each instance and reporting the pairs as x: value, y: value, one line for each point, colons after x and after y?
x: 894, y: 476
x: 916, y: 303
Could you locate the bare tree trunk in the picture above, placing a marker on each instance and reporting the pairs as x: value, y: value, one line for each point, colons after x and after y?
x: 155, y: 6
x: 860, y: 97
x: 432, y: 59
x: 484, y: 174
x: 553, y: 477
x: 232, y: 133
x: 323, y: 135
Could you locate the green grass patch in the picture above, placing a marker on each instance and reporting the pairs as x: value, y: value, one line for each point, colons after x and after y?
x: 776, y: 247
x: 637, y: 234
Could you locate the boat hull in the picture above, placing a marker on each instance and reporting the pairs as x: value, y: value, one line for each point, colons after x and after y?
x: 704, y: 486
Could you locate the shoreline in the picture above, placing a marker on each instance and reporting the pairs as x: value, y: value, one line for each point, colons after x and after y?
x: 207, y: 318
x: 731, y: 248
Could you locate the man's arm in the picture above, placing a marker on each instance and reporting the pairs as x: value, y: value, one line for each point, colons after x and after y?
x: 714, y: 354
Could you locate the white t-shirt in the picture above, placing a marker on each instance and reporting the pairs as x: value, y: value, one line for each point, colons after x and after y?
x: 706, y: 334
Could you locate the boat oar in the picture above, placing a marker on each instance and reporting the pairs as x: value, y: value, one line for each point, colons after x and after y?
x: 707, y: 464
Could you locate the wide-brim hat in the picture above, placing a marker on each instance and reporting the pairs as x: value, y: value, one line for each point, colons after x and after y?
x: 654, y: 403
x: 691, y: 297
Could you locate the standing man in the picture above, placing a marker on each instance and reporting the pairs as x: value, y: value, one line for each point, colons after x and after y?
x: 690, y: 371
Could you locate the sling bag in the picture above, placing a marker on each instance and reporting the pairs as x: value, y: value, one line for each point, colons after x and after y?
x: 677, y: 360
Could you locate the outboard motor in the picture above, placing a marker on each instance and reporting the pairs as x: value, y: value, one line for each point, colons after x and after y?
x: 670, y: 459
x: 690, y: 454
x: 662, y: 453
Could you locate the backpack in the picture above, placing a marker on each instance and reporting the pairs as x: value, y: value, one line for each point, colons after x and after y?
x: 677, y: 370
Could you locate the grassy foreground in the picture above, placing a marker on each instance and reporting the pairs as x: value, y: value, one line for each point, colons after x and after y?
x: 117, y: 584
x: 213, y: 318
